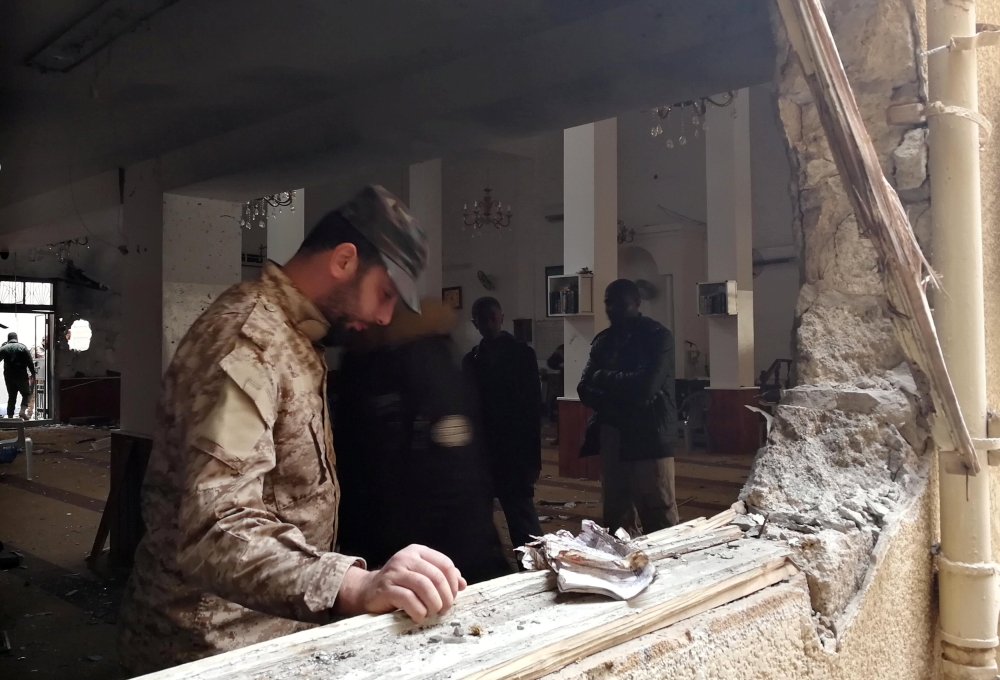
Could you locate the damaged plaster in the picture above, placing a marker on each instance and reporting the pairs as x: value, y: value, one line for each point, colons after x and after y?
x: 848, y: 447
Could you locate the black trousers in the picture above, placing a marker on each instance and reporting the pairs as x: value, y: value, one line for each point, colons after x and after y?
x: 17, y: 385
x: 522, y: 520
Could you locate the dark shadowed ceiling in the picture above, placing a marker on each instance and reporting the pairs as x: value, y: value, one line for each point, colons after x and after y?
x: 237, y: 96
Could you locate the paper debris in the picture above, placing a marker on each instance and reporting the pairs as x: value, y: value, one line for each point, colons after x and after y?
x: 593, y: 562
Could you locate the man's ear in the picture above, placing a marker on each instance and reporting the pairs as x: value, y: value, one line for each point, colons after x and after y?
x: 344, y: 262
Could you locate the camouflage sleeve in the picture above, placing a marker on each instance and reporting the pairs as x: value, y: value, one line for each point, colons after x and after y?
x: 230, y: 542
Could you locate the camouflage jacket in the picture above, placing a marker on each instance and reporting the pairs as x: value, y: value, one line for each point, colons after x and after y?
x: 240, y: 496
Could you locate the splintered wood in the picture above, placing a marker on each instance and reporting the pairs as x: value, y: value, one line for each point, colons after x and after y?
x: 518, y: 626
x: 878, y: 210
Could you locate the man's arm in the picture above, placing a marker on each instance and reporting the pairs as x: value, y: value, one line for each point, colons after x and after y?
x: 643, y: 384
x: 530, y: 387
x: 30, y: 361
x: 591, y: 395
x: 240, y: 551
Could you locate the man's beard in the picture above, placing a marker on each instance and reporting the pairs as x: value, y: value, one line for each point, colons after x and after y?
x: 340, y: 308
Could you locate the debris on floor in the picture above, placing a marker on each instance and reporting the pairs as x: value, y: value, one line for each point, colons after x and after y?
x: 593, y: 562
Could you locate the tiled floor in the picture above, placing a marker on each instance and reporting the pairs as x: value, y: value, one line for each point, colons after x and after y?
x: 60, y: 615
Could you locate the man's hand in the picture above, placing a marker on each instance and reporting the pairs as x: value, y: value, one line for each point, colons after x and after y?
x: 420, y: 581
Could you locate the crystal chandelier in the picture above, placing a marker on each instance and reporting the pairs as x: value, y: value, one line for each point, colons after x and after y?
x: 483, y: 213
x: 256, y: 211
x: 698, y: 108
x: 625, y: 235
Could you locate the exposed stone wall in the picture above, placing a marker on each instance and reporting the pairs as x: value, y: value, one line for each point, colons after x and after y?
x: 848, y: 446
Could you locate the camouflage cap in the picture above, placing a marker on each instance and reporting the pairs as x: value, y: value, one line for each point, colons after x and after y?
x: 386, y: 221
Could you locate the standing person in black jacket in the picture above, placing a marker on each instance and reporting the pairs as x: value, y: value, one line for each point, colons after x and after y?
x: 409, y: 459
x: 17, y: 364
x: 629, y: 382
x: 510, y: 391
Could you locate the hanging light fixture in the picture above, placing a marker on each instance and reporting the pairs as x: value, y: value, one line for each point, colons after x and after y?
x: 483, y: 213
x: 256, y: 211
x: 697, y: 109
x: 625, y: 235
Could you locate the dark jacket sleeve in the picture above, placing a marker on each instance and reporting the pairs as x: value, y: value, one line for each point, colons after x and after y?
x: 591, y: 395
x: 531, y: 387
x: 29, y: 361
x: 641, y: 386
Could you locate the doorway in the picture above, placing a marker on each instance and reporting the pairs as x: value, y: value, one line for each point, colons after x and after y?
x: 28, y: 309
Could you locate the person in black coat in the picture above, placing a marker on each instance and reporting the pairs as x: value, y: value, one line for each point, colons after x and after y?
x: 629, y: 382
x: 510, y: 391
x: 409, y: 458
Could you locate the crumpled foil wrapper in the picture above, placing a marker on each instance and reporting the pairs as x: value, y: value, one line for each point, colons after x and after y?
x: 594, y: 562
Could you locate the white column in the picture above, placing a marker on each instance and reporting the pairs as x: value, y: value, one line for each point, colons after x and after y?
x: 425, y: 202
x: 140, y: 354
x: 201, y: 259
x: 286, y: 230
x: 590, y: 208
x: 730, y: 240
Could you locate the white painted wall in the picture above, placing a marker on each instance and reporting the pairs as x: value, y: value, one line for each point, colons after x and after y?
x: 286, y: 230
x: 201, y: 259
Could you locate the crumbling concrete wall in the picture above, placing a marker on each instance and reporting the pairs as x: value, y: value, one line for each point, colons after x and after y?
x: 849, y: 447
x: 771, y: 634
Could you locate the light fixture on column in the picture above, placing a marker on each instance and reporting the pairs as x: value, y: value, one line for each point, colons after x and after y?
x: 625, y: 235
x: 696, y: 108
x: 255, y: 211
x: 483, y: 213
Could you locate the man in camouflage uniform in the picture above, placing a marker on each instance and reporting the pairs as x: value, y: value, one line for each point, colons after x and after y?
x: 240, y: 496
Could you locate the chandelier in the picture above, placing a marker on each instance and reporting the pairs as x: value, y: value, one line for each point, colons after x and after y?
x: 256, y: 211
x: 697, y: 109
x: 483, y: 213
x: 625, y: 235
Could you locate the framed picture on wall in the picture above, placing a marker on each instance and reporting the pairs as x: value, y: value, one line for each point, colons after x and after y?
x: 452, y: 297
x: 555, y: 270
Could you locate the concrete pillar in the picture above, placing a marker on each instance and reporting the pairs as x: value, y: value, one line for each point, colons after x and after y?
x: 425, y: 202
x: 730, y: 239
x: 140, y: 357
x: 732, y: 428
x: 201, y: 259
x: 590, y: 207
x: 286, y: 230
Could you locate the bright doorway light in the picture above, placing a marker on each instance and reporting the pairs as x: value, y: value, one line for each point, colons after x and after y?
x: 79, y: 335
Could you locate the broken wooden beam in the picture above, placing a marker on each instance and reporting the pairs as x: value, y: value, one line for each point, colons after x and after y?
x: 879, y: 213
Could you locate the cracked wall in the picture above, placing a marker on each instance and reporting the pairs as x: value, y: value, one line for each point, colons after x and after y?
x: 849, y: 445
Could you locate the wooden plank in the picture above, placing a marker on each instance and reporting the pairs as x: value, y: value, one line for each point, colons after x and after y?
x: 393, y: 646
x: 559, y: 654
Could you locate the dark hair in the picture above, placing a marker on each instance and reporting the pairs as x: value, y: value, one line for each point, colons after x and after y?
x: 333, y: 230
x: 483, y: 305
x: 623, y: 289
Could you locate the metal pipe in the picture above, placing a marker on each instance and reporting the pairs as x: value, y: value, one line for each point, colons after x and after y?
x: 967, y: 580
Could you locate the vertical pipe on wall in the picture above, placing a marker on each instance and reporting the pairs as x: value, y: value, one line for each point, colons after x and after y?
x: 967, y: 581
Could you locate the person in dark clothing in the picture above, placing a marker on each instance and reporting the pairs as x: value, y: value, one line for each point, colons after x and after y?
x: 17, y: 364
x: 629, y: 382
x: 506, y: 375
x: 409, y: 459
